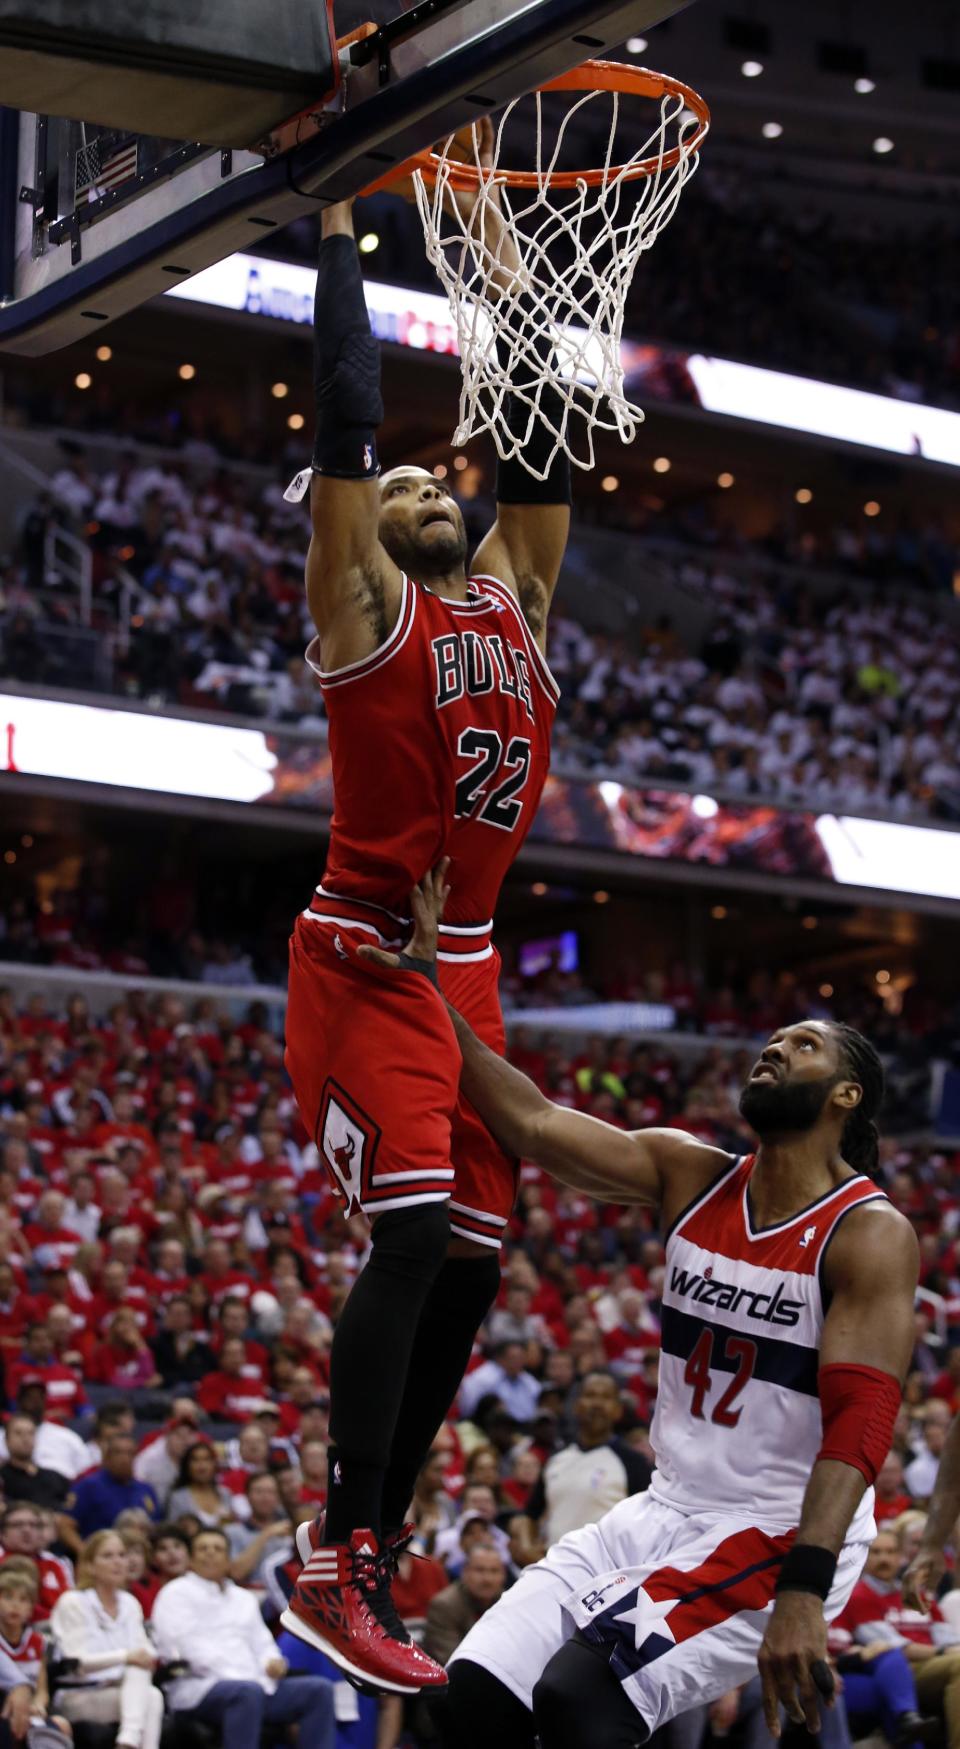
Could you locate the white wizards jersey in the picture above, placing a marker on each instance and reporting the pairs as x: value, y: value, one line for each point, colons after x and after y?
x: 737, y: 1425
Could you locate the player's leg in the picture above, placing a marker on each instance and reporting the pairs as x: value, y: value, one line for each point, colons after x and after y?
x: 477, y: 1710
x: 467, y: 1285
x: 578, y: 1701
x: 682, y: 1628
x: 374, y: 1062
x: 455, y: 1307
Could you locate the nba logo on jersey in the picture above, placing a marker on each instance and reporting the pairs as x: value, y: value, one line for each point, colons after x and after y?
x: 808, y: 1234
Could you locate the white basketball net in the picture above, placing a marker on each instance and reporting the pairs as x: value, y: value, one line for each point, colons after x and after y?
x: 578, y: 247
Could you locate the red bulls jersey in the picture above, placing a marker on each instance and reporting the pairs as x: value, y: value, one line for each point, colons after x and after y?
x: 440, y: 743
x: 738, y: 1425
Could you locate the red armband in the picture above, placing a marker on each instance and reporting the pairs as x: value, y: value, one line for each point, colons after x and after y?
x: 859, y: 1405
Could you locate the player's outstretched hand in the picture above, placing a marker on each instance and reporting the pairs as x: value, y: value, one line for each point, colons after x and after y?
x: 922, y: 1577
x: 792, y: 1660
x: 426, y: 903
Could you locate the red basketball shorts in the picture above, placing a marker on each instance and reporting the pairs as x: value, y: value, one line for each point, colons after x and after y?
x: 375, y: 1067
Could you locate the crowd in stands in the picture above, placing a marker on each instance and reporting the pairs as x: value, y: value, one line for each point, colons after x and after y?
x: 791, y: 697
x: 788, y: 693
x: 172, y: 1264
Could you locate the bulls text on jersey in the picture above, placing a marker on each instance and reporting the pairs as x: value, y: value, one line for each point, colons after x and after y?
x: 471, y: 663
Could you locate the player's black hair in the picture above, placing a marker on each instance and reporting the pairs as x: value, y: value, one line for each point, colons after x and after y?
x: 860, y: 1142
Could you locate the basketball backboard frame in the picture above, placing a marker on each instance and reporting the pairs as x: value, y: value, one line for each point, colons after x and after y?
x: 436, y: 68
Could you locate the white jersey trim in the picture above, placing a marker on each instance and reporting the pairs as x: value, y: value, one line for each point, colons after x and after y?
x: 550, y: 685
x: 354, y: 923
x: 392, y: 643
x: 699, y: 1201
x: 756, y: 1237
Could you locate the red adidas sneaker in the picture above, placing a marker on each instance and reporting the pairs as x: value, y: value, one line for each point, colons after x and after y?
x: 342, y: 1606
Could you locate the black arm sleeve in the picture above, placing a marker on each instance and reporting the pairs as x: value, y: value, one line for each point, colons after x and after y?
x: 346, y: 367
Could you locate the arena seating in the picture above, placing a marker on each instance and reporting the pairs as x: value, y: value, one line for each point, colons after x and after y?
x: 795, y: 684
x: 159, y: 1196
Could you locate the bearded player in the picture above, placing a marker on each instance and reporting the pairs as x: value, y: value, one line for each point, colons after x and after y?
x: 787, y: 1329
x: 440, y: 706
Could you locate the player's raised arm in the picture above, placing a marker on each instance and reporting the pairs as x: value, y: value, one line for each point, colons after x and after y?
x: 353, y: 586
x: 582, y: 1152
x: 871, y: 1277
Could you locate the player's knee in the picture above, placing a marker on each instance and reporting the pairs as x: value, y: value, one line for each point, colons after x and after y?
x: 578, y: 1703
x: 411, y: 1242
x: 475, y: 1710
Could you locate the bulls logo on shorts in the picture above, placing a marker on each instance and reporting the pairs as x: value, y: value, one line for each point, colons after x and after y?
x: 348, y: 1140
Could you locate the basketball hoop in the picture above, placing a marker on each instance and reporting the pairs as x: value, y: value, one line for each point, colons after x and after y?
x: 578, y: 234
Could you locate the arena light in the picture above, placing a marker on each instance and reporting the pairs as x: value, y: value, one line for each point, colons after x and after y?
x: 187, y: 372
x: 661, y: 465
x: 809, y: 922
x: 883, y: 145
x: 826, y: 990
x: 864, y: 86
x: 296, y: 421
x: 871, y: 508
x: 538, y: 889
x: 636, y: 45
x: 104, y: 353
x: 600, y: 897
x: 134, y: 750
x: 368, y: 243
x: 609, y: 483
x: 704, y: 807
x: 82, y: 380
x: 440, y: 471
x: 9, y: 856
x: 280, y: 391
x: 725, y: 481
x: 283, y: 291
x: 803, y: 495
x: 883, y: 977
x: 751, y: 69
x: 27, y: 841
x: 772, y: 130
x: 460, y: 462
x: 718, y: 912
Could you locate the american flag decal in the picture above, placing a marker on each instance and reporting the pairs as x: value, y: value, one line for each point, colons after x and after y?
x: 102, y: 165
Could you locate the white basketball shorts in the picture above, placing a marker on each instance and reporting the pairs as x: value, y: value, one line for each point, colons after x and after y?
x: 681, y: 1601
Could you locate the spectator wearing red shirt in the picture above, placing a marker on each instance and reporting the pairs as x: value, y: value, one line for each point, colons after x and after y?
x: 124, y: 1361
x: 170, y: 1275
x: 218, y: 1275
x: 891, y: 1495
x: 233, y: 1319
x: 169, y: 1559
x: 124, y: 1126
x: 876, y: 1613
x: 313, y: 1472
x: 15, y: 1311
x: 36, y: 1364
x: 116, y: 1292
x: 21, y: 1535
x: 947, y: 1383
x: 53, y: 1245
x: 632, y: 1336
x: 236, y: 1389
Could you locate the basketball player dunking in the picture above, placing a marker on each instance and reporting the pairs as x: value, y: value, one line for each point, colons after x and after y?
x: 440, y: 707
x: 787, y: 1328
